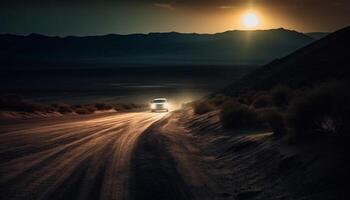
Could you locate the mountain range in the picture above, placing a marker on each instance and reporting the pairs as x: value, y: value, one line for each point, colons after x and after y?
x: 227, y: 48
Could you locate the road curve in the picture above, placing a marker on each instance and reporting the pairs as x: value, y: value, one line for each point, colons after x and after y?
x: 45, y: 159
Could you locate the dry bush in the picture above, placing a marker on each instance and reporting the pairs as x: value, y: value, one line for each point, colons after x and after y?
x: 232, y: 103
x: 62, y: 108
x: 16, y: 103
x: 127, y: 106
x: 118, y: 107
x: 122, y: 107
x: 276, y: 121
x: 280, y: 95
x: 233, y: 115
x: 246, y: 99
x: 103, y: 106
x: 321, y: 111
x: 262, y: 101
x: 89, y: 107
x: 74, y: 107
x: 83, y: 111
x: 36, y: 107
x: 202, y: 107
x: 219, y: 100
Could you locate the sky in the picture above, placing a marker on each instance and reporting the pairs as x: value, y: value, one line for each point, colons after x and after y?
x: 99, y: 17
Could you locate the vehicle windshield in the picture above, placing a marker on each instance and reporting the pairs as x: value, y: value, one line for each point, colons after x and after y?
x: 159, y: 101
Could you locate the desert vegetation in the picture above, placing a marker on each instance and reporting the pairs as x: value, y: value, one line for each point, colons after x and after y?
x: 202, y: 107
x: 306, y: 113
x: 234, y: 115
x: 276, y: 121
x: 16, y: 103
x: 262, y: 101
x: 281, y: 96
x: 321, y: 111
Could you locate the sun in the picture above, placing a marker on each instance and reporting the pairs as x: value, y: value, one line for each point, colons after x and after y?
x: 250, y: 20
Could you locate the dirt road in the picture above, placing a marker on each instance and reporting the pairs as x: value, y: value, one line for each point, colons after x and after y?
x: 73, y: 158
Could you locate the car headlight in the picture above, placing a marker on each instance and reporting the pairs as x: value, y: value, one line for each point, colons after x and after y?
x: 153, y: 106
x: 166, y: 105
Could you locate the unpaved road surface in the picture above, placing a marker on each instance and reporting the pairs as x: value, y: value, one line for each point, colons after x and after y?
x: 72, y: 158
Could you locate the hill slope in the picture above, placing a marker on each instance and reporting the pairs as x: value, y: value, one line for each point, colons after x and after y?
x: 323, y: 60
x: 231, y: 47
x: 317, y: 35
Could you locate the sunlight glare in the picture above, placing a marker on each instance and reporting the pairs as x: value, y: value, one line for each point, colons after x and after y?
x: 250, y: 20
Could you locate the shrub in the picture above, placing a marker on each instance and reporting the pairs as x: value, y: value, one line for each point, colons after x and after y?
x: 33, y: 107
x: 276, y: 121
x: 103, y: 106
x: 324, y: 110
x: 239, y: 116
x: 83, y: 111
x: 16, y: 103
x: 280, y: 95
x: 202, y: 107
x: 62, y: 108
x: 127, y: 106
x: 142, y: 106
x: 121, y: 107
x: 118, y: 107
x: 232, y: 103
x: 246, y: 98
x: 219, y: 100
x: 91, y: 108
x: 77, y: 106
x: 262, y: 101
x: 56, y: 105
x: 24, y: 106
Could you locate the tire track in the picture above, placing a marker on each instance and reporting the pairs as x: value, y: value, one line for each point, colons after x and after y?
x: 87, y: 159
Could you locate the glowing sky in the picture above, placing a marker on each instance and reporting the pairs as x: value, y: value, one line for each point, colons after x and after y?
x: 78, y: 17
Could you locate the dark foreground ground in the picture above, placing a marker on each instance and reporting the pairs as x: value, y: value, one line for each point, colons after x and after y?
x: 85, y: 158
x: 159, y: 156
x: 106, y: 156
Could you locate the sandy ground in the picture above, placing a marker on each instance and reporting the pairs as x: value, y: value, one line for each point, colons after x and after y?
x: 168, y: 165
x: 86, y: 158
x: 257, y: 165
x: 161, y: 156
x: 105, y: 156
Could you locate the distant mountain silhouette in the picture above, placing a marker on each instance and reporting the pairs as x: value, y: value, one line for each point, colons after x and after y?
x: 317, y: 35
x: 231, y: 47
x: 324, y: 60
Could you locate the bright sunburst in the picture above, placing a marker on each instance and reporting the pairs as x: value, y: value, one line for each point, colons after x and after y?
x: 250, y: 20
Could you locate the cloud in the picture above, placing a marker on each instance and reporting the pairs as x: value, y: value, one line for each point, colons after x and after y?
x: 225, y: 7
x: 164, y: 6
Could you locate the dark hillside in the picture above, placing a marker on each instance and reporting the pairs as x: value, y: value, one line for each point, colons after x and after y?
x: 324, y: 60
x: 317, y: 35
